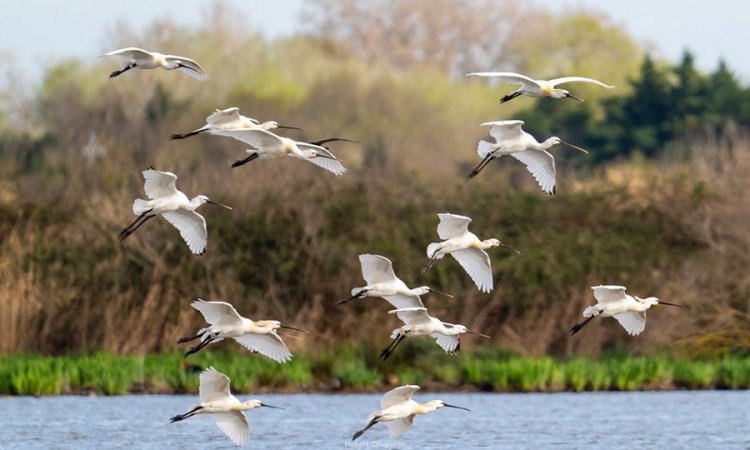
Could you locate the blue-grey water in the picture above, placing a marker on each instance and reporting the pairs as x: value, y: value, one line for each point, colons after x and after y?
x: 608, y: 420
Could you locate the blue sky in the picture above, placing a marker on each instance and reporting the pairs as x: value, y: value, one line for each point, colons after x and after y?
x: 35, y: 33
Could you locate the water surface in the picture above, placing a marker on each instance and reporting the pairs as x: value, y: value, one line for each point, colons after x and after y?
x: 606, y: 420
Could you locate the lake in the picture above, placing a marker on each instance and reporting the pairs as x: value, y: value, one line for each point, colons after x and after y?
x: 602, y: 420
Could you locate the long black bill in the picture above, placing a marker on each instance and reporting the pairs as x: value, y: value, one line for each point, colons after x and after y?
x: 574, y: 146
x: 324, y: 141
x: 441, y: 293
x: 295, y: 329
x: 270, y: 406
x: 670, y: 304
x: 569, y: 95
x: 292, y: 128
x: 219, y: 204
x: 478, y: 334
x: 457, y: 407
x: 510, y: 248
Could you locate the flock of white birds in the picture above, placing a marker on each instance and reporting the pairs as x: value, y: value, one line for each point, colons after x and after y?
x: 397, y: 407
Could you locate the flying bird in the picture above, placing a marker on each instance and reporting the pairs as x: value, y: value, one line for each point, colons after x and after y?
x: 537, y: 88
x: 466, y: 248
x: 512, y: 140
x: 612, y: 301
x: 398, y: 410
x: 136, y: 58
x: 228, y: 119
x: 417, y: 322
x: 382, y: 282
x: 267, y: 145
x: 227, y: 411
x: 166, y: 201
x: 225, y: 322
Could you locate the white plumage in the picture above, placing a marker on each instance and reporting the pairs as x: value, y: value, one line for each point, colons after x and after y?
x: 537, y: 88
x: 226, y: 410
x: 225, y: 322
x: 398, y: 410
x: 165, y: 200
x: 511, y: 140
x: 136, y: 58
x: 382, y: 282
x: 612, y: 301
x: 465, y: 247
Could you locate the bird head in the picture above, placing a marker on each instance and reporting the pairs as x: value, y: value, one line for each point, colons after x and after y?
x: 554, y: 140
x: 199, y: 200
x: 489, y: 243
x: 272, y: 125
x: 437, y: 404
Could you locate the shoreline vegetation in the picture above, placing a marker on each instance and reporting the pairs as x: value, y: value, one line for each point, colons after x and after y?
x: 345, y: 370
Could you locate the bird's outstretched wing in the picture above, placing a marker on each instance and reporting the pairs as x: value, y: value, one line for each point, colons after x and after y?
x: 398, y: 395
x: 412, y: 316
x: 634, y: 322
x: 222, y: 117
x: 130, y: 54
x: 507, y: 77
x: 269, y: 345
x: 192, y: 228
x: 541, y: 164
x: 609, y: 294
x: 327, y: 161
x: 447, y: 343
x: 188, y: 66
x: 452, y: 225
x: 562, y: 80
x: 214, y: 385
x: 159, y: 184
x: 217, y: 313
x: 376, y: 269
x: 399, y: 426
x: 505, y: 130
x: 255, y: 137
x: 234, y: 424
x: 476, y: 263
x: 404, y: 301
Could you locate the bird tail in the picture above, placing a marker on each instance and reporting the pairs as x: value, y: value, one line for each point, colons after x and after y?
x: 140, y: 206
x: 432, y: 249
x: 484, y: 148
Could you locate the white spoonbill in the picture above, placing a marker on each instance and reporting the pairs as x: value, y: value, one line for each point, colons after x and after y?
x: 225, y: 322
x: 166, y: 201
x: 382, y: 282
x: 612, y: 301
x: 268, y: 145
x: 230, y: 118
x: 466, y: 248
x: 398, y: 410
x: 224, y: 407
x: 418, y: 322
x: 136, y: 58
x: 512, y: 140
x: 537, y: 88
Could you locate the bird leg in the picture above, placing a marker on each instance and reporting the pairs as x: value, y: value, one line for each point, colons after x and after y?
x: 360, y: 432
x: 182, y: 340
x: 359, y: 294
x: 391, y: 347
x: 577, y: 327
x: 429, y: 265
x: 124, y: 69
x: 186, y: 135
x: 510, y: 96
x: 190, y: 413
x: 475, y: 171
x: 198, y: 347
x: 130, y: 229
x: 245, y: 161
